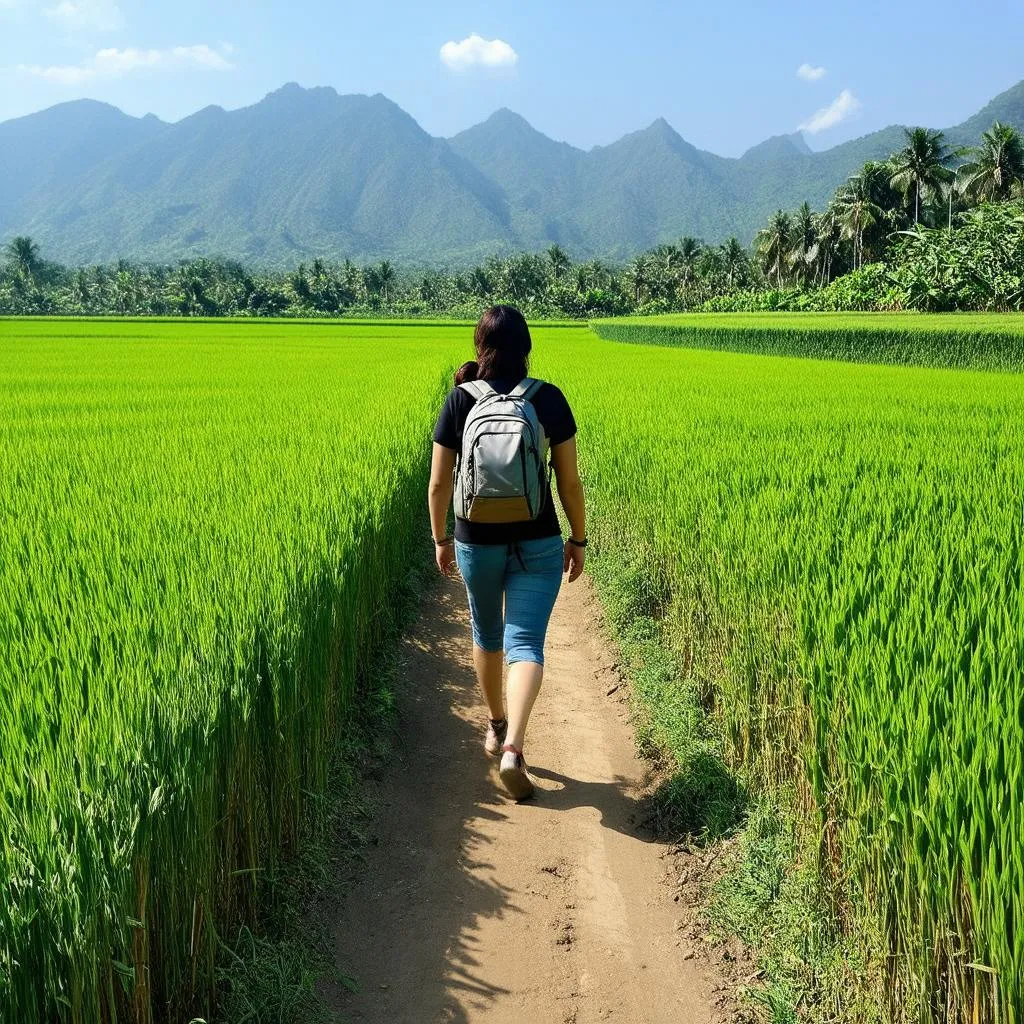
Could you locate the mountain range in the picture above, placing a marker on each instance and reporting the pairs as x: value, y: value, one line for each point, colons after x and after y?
x: 309, y: 172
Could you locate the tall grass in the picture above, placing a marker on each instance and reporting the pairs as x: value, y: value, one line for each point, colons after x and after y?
x: 837, y: 551
x: 201, y: 532
x: 981, y: 341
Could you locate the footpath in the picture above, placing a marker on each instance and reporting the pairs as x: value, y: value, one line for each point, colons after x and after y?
x: 471, y: 908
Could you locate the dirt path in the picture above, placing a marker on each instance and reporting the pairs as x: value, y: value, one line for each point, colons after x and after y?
x: 473, y: 908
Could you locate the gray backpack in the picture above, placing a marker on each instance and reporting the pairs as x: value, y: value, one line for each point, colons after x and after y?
x: 500, y: 473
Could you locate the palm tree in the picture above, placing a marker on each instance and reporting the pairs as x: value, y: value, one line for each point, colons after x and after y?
x: 689, y: 249
x: 23, y: 254
x: 479, y: 282
x: 856, y: 211
x: 300, y: 284
x: 734, y: 260
x: 803, y: 242
x: 385, y: 278
x: 829, y: 234
x: 559, y: 260
x: 994, y: 167
x: 638, y: 277
x: 662, y: 264
x: 772, y: 245
x: 352, y: 279
x: 922, y: 166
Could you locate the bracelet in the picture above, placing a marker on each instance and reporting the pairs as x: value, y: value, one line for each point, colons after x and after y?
x: 443, y: 543
x: 578, y: 543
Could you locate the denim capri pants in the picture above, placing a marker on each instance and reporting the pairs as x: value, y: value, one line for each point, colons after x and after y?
x: 512, y: 589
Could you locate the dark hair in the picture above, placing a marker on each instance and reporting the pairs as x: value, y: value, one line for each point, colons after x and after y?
x: 467, y: 371
x: 503, y: 345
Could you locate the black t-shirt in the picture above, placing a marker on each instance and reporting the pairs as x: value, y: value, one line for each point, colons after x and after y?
x: 557, y: 420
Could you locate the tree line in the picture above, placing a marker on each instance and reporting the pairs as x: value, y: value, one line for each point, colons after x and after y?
x: 918, y: 186
x: 885, y: 240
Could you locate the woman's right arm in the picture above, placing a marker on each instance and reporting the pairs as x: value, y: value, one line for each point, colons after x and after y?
x: 570, y: 493
x: 439, y: 499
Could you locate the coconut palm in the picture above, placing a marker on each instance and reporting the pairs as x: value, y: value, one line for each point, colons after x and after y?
x: 23, y: 255
x: 803, y: 243
x: 772, y: 245
x: 735, y: 262
x: 856, y: 212
x: 559, y: 260
x: 689, y: 249
x: 639, y: 277
x: 922, y: 166
x: 995, y: 167
x: 479, y: 283
x: 300, y: 284
x: 385, y: 278
x: 829, y: 235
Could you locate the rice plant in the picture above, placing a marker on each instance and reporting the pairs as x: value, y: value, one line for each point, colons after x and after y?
x: 842, y: 547
x: 202, y: 531
x: 202, y: 527
x: 981, y: 341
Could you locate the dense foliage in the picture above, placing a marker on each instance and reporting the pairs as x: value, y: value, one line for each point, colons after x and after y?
x: 544, y: 285
x: 834, y: 552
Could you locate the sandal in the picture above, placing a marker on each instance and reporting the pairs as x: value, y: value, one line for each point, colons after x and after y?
x: 514, y: 776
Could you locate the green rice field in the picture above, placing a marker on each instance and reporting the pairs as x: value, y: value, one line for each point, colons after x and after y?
x: 203, y: 528
x: 982, y: 341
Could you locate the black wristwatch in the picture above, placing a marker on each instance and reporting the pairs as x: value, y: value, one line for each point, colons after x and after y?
x: 578, y: 543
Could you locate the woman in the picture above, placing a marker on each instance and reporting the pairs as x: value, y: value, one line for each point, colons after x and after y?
x: 512, y: 570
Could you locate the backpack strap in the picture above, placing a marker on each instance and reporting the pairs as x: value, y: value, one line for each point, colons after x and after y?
x: 526, y: 388
x: 477, y: 388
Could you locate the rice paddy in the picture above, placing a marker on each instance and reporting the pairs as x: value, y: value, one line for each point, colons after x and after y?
x: 203, y: 525
x: 980, y: 341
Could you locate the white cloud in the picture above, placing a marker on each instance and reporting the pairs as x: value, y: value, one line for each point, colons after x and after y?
x: 204, y: 56
x: 844, y: 106
x: 79, y: 15
x: 115, y: 63
x: 809, y: 73
x: 476, y: 51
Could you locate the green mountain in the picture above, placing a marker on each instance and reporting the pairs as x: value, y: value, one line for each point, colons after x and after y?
x: 45, y: 154
x: 307, y: 172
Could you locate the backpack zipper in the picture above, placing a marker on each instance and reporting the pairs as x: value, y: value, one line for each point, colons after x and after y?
x: 526, y: 486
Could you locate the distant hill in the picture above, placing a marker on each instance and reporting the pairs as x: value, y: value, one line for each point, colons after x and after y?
x: 308, y: 172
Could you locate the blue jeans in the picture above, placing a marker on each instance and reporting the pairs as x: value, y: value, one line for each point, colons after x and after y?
x: 524, y: 577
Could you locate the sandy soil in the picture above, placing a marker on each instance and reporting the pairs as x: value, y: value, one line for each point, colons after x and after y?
x: 472, y: 908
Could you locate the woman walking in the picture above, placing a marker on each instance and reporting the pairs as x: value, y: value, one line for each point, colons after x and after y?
x: 491, y: 447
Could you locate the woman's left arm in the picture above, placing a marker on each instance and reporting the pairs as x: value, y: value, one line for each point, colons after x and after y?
x: 439, y: 498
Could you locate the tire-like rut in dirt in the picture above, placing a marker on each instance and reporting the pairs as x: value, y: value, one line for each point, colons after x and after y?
x: 474, y: 908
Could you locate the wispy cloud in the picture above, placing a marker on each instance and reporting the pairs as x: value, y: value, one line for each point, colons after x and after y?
x: 844, y: 106
x: 115, y: 63
x: 809, y: 73
x: 86, y: 15
x: 475, y: 51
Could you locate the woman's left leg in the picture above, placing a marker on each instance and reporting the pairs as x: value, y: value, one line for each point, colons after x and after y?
x: 530, y: 591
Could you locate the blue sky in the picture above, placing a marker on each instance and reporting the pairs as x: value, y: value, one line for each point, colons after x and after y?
x: 724, y: 75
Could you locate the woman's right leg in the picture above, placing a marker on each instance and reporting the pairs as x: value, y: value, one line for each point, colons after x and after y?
x: 524, y: 679
x: 530, y: 591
